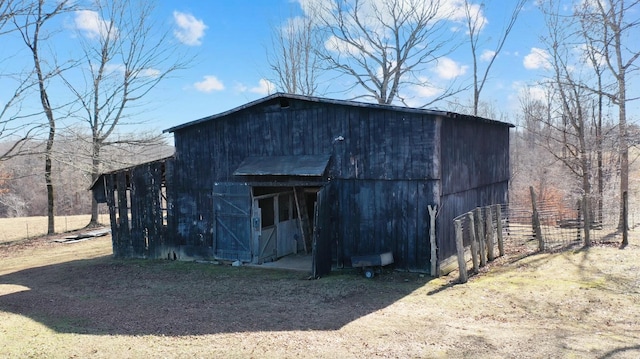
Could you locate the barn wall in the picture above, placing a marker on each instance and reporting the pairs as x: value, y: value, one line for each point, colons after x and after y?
x: 475, y: 168
x: 377, y: 144
x: 372, y: 217
x: 137, y: 211
x: 383, y: 163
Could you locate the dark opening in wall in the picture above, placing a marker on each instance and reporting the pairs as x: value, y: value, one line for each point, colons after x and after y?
x: 284, y: 103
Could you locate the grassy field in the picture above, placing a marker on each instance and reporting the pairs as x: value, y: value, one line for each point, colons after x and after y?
x: 17, y: 229
x: 75, y: 301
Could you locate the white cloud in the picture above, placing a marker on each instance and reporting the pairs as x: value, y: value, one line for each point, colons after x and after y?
x: 209, y: 84
x: 537, y: 59
x: 114, y: 67
x: 240, y: 87
x: 426, y: 91
x: 264, y: 87
x: 447, y: 9
x: 448, y: 69
x: 531, y: 92
x: 487, y: 55
x: 455, y: 10
x: 91, y: 24
x: 336, y: 45
x: 190, y: 30
x: 150, y: 72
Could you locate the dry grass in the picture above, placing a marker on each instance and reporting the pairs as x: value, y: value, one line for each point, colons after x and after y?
x: 17, y: 229
x: 73, y: 300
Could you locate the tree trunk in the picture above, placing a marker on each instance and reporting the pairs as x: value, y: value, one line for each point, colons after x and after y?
x: 624, y: 150
x: 95, y: 173
x: 49, y: 182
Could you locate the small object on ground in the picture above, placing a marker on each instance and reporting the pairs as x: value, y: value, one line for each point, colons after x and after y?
x: 372, y: 263
x: 236, y: 264
x: 84, y: 236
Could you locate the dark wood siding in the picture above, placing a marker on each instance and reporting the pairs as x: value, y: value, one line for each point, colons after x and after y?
x: 475, y: 172
x: 134, y: 197
x: 384, y: 160
x: 376, y: 144
x: 386, y: 166
x: 373, y: 216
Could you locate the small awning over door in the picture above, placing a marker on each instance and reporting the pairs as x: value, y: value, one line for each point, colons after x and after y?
x: 305, y: 165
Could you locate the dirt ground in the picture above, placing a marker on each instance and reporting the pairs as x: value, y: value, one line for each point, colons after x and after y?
x: 75, y: 301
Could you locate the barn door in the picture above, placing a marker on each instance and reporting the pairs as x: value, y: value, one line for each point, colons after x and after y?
x: 321, y: 246
x: 232, y: 221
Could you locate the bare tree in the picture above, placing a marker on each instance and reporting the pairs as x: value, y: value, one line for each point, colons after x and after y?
x: 567, y: 123
x: 384, y: 46
x: 125, y: 59
x: 31, y: 28
x: 15, y: 131
x: 292, y: 58
x: 475, y: 23
x: 592, y: 54
x: 613, y: 35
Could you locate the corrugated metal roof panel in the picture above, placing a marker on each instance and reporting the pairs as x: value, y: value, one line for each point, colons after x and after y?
x: 305, y: 165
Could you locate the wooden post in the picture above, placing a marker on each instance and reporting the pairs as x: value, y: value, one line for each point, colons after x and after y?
x: 586, y: 215
x: 481, y: 236
x: 625, y: 219
x: 474, y: 243
x: 432, y: 239
x: 580, y: 206
x: 535, y: 219
x: 303, y: 218
x: 489, y: 230
x: 462, y: 264
x: 499, y: 230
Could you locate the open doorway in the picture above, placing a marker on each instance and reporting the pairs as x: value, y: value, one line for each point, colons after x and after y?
x: 282, y: 222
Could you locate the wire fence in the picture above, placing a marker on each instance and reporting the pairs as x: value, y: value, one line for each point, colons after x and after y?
x: 492, y: 231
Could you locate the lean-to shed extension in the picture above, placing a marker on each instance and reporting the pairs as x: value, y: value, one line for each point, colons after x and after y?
x: 288, y: 173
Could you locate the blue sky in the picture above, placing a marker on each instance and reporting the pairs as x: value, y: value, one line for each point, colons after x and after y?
x: 230, y: 40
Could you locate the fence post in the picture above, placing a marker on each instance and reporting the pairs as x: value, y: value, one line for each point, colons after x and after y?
x: 432, y: 239
x: 535, y: 219
x: 462, y: 264
x: 489, y: 230
x: 499, y: 230
x: 625, y: 219
x: 579, y: 205
x: 481, y: 237
x: 586, y: 215
x: 474, y: 243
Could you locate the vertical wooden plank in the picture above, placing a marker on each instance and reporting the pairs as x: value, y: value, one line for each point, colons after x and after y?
x: 536, y: 220
x: 297, y: 132
x: 110, y: 183
x: 423, y: 199
x: 462, y: 264
x: 137, y: 195
x: 481, y: 237
x: 411, y: 223
x: 489, y: 230
x: 170, y: 232
x: 432, y: 240
x: 474, y: 243
x: 498, y: 210
x: 123, y: 216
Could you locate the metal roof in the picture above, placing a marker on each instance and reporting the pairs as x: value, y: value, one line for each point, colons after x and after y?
x: 304, y: 165
x: 286, y: 96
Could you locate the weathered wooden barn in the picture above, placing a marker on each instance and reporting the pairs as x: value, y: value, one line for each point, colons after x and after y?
x: 290, y: 173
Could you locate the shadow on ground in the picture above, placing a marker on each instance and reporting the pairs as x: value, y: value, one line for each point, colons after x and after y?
x: 106, y: 296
